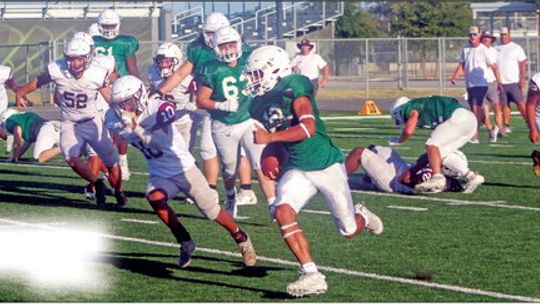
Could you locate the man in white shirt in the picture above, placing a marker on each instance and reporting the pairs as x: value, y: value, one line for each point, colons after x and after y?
x: 511, y: 61
x: 492, y: 95
x: 475, y: 63
x: 308, y: 63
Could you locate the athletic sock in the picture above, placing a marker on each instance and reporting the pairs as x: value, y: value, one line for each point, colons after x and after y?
x: 245, y: 187
x: 180, y: 233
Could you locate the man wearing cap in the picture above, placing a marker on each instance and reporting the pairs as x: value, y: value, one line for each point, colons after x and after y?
x: 476, y: 63
x: 511, y: 61
x: 308, y: 63
x: 492, y: 95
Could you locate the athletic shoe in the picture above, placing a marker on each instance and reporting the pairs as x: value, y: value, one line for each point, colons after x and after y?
x: 230, y: 205
x: 246, y: 197
x: 373, y: 223
x: 8, y: 143
x: 249, y: 256
x: 535, y: 155
x: 473, y: 181
x: 186, y: 249
x: 507, y: 130
x: 125, y: 169
x: 493, y: 134
x: 308, y: 283
x: 474, y: 141
x: 100, y: 192
x: 433, y: 185
x: 121, y: 199
x: 89, y: 192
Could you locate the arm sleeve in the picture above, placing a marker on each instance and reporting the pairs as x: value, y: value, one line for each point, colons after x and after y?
x: 320, y: 62
x: 521, y: 54
x: 301, y: 86
x: 462, y: 56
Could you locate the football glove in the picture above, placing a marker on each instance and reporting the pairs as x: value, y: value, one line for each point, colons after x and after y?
x: 230, y: 105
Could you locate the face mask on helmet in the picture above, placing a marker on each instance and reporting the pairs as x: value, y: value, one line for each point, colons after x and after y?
x: 110, y: 31
x: 109, y: 24
x: 265, y: 67
x: 214, y: 21
x: 130, y: 102
x: 165, y: 65
x: 229, y: 51
x: 77, y: 64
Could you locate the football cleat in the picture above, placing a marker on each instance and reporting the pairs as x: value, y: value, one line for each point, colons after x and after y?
x: 373, y: 223
x: 535, y: 155
x: 474, y: 141
x: 246, y: 197
x: 125, y: 169
x: 435, y: 184
x: 249, y: 256
x: 121, y: 199
x: 506, y: 130
x: 473, y: 181
x: 100, y: 192
x: 186, y: 249
x: 89, y: 192
x: 493, y: 133
x: 308, y: 283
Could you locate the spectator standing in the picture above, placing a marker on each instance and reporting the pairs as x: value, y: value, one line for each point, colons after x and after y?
x: 475, y: 64
x: 511, y: 61
x: 309, y: 64
x: 492, y: 95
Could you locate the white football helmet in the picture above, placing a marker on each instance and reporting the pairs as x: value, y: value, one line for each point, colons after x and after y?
x: 213, y: 22
x: 264, y: 68
x: 94, y: 30
x: 170, y: 51
x: 126, y: 87
x: 5, y: 115
x: 86, y: 37
x: 109, y: 23
x: 224, y: 35
x: 396, y: 110
x: 76, y: 50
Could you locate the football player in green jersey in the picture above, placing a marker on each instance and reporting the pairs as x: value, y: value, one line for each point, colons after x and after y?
x: 453, y: 127
x: 29, y: 128
x: 221, y: 93
x: 285, y: 106
x: 123, y: 49
x: 199, y: 52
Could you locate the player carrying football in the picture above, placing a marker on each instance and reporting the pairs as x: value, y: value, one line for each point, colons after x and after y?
x: 148, y: 126
x: 285, y: 105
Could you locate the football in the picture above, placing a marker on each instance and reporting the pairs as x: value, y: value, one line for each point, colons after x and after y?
x: 273, y: 158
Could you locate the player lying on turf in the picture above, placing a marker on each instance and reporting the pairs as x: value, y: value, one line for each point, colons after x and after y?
x: 285, y: 106
x: 387, y: 171
x: 148, y: 126
x: 29, y: 128
x: 453, y: 127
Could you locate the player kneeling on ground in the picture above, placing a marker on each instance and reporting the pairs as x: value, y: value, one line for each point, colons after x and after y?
x: 454, y: 127
x: 148, y: 126
x: 28, y: 128
x: 387, y: 171
x: 284, y: 104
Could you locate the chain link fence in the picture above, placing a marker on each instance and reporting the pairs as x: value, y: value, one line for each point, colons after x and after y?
x: 366, y: 64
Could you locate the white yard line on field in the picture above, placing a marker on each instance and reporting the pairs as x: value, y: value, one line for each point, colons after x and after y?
x: 407, y: 208
x: 130, y: 220
x: 332, y: 118
x: 352, y: 129
x: 343, y: 271
x: 496, y: 204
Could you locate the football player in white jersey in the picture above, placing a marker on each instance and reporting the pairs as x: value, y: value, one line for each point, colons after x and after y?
x: 387, y: 171
x: 149, y: 126
x: 79, y: 82
x: 6, y: 79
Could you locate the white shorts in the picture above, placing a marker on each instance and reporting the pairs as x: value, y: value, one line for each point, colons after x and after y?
x: 48, y: 137
x: 73, y: 137
x: 193, y: 183
x: 297, y: 187
x: 229, y: 140
x: 454, y: 133
x: 384, y: 166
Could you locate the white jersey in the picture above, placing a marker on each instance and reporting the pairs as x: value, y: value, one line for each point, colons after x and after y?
x: 78, y: 97
x: 107, y: 62
x: 180, y: 95
x: 5, y: 75
x: 173, y: 158
x: 534, y: 89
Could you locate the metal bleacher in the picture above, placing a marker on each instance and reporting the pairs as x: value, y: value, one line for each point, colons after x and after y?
x: 299, y: 18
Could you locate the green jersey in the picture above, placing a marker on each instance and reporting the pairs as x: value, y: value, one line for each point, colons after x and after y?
x: 275, y: 111
x: 198, y: 53
x: 121, y: 47
x: 29, y: 122
x: 227, y: 83
x: 433, y: 110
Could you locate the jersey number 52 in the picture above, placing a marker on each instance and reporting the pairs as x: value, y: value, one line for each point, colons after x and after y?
x: 72, y: 100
